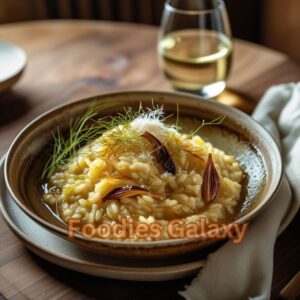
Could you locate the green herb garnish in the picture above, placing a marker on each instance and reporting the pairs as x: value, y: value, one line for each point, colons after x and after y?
x: 82, y: 131
x: 89, y: 127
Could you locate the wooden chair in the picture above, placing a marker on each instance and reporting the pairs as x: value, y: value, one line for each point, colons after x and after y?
x: 274, y: 23
x: 143, y: 11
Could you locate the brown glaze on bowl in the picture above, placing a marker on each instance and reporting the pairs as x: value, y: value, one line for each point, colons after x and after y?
x: 239, y: 135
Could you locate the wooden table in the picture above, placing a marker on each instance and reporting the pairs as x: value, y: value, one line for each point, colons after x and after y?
x: 69, y: 60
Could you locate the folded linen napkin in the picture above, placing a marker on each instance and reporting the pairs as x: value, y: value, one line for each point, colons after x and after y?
x: 245, y: 271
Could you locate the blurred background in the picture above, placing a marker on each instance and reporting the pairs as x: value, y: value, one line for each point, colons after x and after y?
x: 274, y: 23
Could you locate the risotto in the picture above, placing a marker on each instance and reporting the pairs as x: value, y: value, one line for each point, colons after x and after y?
x: 149, y: 172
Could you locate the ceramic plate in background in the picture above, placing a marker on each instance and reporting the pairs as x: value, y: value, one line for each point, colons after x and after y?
x: 12, y: 64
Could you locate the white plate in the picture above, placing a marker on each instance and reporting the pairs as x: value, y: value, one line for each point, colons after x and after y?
x: 12, y: 63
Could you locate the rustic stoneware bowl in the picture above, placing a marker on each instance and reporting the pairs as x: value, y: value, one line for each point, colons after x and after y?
x: 239, y: 135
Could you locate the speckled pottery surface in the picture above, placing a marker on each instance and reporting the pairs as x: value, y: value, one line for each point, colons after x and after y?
x: 239, y: 135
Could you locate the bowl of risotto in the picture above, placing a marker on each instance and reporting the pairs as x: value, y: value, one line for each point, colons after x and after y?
x: 143, y: 174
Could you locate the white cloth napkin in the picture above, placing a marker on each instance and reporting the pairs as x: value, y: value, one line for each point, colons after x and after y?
x: 245, y: 271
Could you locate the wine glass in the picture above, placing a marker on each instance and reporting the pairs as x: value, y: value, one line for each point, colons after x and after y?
x: 195, y: 45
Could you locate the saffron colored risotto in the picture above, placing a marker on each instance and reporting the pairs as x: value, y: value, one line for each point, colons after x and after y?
x: 139, y: 167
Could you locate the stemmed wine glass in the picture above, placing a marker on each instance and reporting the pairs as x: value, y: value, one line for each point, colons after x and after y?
x: 195, y: 45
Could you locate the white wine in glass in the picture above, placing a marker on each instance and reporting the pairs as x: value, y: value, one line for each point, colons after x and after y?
x: 195, y: 46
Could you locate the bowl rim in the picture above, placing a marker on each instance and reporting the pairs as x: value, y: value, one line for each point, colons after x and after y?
x: 158, y: 243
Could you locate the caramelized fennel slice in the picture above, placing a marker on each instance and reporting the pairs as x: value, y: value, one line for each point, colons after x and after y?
x: 161, y: 153
x: 211, y: 182
x: 128, y: 191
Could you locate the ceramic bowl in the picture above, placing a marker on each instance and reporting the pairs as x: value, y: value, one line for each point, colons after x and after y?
x: 239, y: 135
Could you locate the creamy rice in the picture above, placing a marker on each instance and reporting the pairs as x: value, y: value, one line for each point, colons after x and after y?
x: 122, y: 157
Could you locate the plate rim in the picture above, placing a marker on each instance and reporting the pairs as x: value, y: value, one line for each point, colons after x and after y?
x: 113, y: 272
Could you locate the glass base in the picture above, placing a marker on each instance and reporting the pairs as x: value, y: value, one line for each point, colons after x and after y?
x: 212, y: 90
x: 208, y: 91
